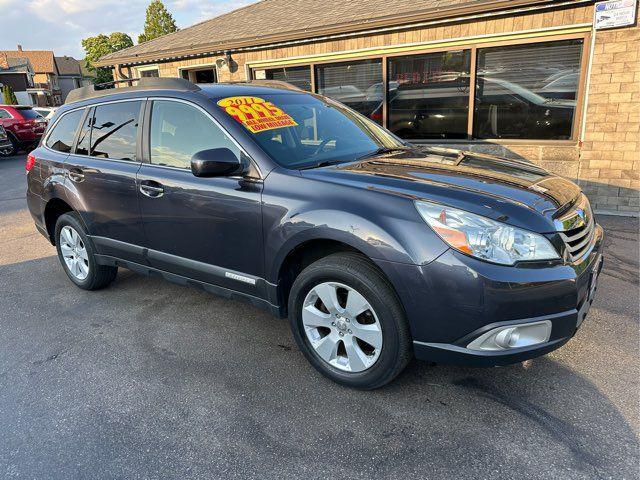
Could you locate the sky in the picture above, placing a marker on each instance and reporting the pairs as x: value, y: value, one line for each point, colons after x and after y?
x: 60, y: 25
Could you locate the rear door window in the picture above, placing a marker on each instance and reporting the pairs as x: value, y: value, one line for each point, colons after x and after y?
x: 64, y: 132
x: 114, y: 130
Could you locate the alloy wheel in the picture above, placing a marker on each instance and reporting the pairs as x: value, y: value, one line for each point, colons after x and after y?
x: 342, y: 327
x: 74, y: 253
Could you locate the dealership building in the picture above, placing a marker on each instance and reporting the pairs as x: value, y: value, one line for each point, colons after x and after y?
x: 552, y: 81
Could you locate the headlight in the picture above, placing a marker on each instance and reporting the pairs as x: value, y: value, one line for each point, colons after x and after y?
x: 484, y: 238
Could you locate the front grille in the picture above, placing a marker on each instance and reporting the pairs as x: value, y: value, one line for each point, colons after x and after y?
x: 577, y: 229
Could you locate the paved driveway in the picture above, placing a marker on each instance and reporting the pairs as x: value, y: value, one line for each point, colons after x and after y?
x: 150, y: 380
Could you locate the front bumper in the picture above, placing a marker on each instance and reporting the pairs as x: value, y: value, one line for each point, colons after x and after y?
x: 456, y: 298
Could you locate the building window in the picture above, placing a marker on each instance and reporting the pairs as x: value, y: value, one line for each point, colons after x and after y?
x: 149, y: 73
x: 200, y: 75
x: 521, y: 91
x: 357, y: 84
x: 429, y: 95
x: 527, y: 91
x: 297, y: 76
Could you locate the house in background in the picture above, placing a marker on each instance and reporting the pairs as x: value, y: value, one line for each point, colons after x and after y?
x: 46, y: 90
x: 88, y: 76
x: 70, y: 75
x: 18, y: 74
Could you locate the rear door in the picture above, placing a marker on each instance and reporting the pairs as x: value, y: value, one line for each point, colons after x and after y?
x: 101, y: 175
x: 208, y: 229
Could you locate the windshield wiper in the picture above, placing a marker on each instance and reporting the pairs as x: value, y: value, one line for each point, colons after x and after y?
x: 323, y: 163
x: 383, y: 150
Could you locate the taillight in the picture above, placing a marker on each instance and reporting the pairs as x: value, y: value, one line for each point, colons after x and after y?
x: 376, y: 116
x: 31, y: 161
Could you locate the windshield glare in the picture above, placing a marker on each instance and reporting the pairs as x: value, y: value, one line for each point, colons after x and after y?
x: 326, y: 132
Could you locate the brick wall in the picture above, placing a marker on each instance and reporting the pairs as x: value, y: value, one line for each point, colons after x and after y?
x: 610, y: 156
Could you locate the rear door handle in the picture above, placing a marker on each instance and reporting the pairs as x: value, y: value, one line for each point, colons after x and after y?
x: 76, y: 175
x: 151, y: 189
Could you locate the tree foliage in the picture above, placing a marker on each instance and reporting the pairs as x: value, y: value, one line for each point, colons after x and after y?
x: 101, y: 45
x: 159, y: 22
x: 8, y: 97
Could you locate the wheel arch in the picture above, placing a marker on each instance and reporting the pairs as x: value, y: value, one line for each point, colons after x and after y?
x: 307, y: 252
x: 54, y: 209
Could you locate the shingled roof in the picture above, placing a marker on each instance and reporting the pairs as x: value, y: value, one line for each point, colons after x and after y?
x: 270, y: 21
x: 41, y: 60
x: 68, y: 66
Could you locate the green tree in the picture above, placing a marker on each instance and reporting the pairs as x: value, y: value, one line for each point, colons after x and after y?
x: 9, y: 98
x: 101, y: 45
x: 159, y: 22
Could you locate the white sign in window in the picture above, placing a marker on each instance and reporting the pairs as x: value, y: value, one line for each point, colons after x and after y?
x: 614, y: 14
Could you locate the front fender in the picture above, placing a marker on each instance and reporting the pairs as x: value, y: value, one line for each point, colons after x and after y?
x: 381, y: 226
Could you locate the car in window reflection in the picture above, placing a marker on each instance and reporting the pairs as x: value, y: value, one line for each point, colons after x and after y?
x: 563, y: 86
x: 504, y: 109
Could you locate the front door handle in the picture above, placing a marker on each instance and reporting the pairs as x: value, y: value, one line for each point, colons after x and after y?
x: 151, y: 189
x: 76, y: 175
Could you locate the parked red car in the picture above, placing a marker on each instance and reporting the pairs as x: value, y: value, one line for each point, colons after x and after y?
x: 23, y: 124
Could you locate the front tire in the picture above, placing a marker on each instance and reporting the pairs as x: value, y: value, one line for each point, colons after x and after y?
x: 348, y: 322
x: 76, y: 254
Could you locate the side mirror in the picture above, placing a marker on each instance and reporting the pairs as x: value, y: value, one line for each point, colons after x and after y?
x: 216, y: 162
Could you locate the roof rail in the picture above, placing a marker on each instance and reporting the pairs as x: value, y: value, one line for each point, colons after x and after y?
x: 145, y: 83
x: 266, y: 83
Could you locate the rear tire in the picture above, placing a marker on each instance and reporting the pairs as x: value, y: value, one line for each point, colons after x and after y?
x: 14, y: 141
x: 383, y: 323
x: 7, y: 151
x: 76, y: 254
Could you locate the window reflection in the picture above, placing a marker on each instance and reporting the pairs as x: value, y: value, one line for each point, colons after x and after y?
x: 178, y: 131
x: 63, y: 134
x: 298, y: 76
x: 114, y: 130
x: 527, y: 91
x: 429, y: 95
x: 356, y: 84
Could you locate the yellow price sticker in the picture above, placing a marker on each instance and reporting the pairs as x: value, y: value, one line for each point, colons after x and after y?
x: 256, y: 114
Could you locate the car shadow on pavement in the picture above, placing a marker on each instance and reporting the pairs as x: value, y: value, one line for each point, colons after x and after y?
x: 155, y: 364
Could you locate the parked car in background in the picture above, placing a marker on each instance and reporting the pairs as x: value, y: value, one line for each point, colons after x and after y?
x: 6, y: 147
x: 46, y: 112
x: 374, y: 249
x: 23, y: 124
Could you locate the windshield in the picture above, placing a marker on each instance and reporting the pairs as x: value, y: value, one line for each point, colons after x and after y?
x: 314, y: 131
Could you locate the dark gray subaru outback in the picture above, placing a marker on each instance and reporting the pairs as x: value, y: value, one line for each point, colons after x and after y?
x: 376, y: 251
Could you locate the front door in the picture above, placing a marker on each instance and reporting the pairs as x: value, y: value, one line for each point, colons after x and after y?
x: 208, y: 229
x: 101, y: 174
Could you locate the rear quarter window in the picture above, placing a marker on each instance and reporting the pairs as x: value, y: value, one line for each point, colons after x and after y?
x: 64, y: 132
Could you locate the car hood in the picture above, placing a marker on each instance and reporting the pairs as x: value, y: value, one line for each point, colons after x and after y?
x: 516, y: 192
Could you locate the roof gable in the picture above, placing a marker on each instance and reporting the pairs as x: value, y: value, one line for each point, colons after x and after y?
x: 68, y: 66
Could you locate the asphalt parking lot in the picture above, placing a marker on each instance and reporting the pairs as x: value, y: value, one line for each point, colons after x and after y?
x: 150, y: 380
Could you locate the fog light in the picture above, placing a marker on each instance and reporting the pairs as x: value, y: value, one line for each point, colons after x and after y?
x: 513, y: 336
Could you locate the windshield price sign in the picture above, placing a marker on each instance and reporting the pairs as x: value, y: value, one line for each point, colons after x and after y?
x: 613, y: 14
x: 256, y: 114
